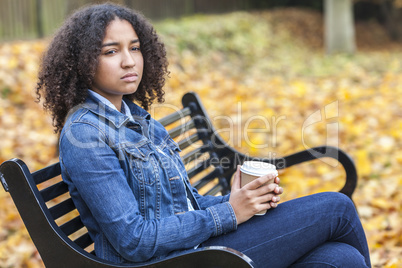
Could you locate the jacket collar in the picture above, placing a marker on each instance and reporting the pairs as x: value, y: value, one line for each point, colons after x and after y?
x: 112, y: 115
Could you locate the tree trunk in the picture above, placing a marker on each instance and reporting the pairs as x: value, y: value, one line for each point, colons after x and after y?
x: 393, y: 19
x: 339, y: 26
x: 39, y: 18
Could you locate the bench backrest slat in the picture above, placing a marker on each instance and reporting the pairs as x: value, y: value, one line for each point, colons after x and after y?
x: 84, y: 241
x: 196, y: 153
x: 214, y: 190
x: 207, y: 178
x: 183, y: 144
x: 198, y: 168
x: 173, y: 117
x: 179, y: 130
x: 62, y: 208
x: 54, y: 191
x: 47, y: 173
x: 72, y: 226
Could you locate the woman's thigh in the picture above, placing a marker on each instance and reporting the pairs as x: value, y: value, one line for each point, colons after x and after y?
x: 331, y: 254
x: 294, y: 228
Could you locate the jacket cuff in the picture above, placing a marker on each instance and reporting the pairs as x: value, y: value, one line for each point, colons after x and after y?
x: 224, y: 218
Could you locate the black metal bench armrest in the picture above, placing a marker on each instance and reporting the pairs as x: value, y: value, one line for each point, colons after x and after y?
x: 321, y: 152
x: 332, y: 152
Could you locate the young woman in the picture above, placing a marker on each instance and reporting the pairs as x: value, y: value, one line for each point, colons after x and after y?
x: 127, y: 179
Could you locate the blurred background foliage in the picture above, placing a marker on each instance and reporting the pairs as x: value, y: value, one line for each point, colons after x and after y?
x: 249, y: 68
x: 39, y: 18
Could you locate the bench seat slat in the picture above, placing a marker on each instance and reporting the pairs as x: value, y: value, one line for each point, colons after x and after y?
x: 62, y: 208
x: 54, y: 191
x: 72, y: 226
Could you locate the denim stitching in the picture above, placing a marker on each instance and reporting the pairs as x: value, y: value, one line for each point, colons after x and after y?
x: 210, y: 209
x: 269, y: 241
x: 234, y: 219
x: 313, y: 262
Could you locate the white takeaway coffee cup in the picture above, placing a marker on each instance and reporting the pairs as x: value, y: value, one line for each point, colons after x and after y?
x: 251, y: 170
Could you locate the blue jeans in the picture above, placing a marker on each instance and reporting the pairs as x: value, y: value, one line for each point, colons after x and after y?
x: 321, y: 230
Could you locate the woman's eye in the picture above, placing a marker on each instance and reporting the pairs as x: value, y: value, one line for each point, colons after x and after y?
x: 109, y: 52
x: 135, y: 49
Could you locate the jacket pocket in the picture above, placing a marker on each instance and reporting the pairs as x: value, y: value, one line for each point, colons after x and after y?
x: 143, y: 162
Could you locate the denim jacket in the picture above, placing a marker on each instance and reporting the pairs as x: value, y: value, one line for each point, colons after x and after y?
x: 128, y: 183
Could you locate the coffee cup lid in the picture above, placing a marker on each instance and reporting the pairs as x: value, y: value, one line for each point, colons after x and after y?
x: 257, y: 168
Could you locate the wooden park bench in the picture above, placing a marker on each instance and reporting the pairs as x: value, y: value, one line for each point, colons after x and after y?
x: 62, y: 240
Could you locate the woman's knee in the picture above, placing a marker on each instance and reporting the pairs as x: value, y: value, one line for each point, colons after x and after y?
x: 336, y: 197
x: 337, y: 200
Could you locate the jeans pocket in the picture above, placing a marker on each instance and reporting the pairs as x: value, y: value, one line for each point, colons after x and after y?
x: 143, y: 162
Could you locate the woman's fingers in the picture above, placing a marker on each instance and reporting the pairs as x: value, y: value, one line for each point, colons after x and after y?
x: 278, y: 190
x: 236, y: 179
x: 267, y: 205
x: 257, y: 183
x: 277, y: 180
x: 267, y: 188
x: 273, y: 204
x: 272, y: 198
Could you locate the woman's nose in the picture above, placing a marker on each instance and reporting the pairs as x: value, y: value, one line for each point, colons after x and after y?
x: 128, y: 60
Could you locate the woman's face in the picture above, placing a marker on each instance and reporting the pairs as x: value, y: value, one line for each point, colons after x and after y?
x: 120, y: 63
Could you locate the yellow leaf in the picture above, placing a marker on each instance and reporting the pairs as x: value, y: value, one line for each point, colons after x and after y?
x: 13, y: 63
x: 300, y: 88
x: 381, y: 203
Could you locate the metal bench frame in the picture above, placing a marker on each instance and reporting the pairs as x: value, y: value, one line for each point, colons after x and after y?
x: 53, y: 241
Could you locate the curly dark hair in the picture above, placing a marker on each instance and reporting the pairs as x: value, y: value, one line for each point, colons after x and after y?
x: 69, y: 65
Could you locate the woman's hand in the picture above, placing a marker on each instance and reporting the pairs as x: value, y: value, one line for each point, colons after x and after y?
x: 254, y: 196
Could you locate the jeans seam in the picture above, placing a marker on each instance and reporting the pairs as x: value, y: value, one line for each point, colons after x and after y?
x: 344, y: 217
x: 269, y: 241
x: 315, y: 262
x: 355, y: 234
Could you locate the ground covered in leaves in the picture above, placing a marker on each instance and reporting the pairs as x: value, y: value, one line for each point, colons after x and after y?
x: 270, y: 90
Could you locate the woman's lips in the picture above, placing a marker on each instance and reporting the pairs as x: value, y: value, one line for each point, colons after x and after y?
x: 130, y: 77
